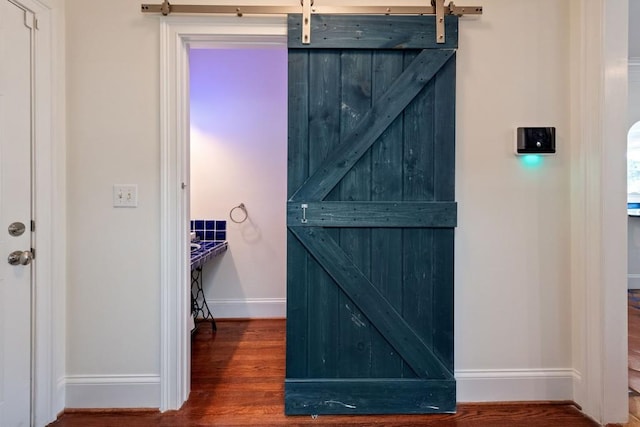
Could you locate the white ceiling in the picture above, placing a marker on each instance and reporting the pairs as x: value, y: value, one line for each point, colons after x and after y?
x: 634, y: 29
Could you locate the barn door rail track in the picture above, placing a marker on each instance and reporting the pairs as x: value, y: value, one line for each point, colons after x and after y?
x: 307, y: 8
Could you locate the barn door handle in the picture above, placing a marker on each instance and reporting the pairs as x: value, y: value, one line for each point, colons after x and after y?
x: 304, y: 207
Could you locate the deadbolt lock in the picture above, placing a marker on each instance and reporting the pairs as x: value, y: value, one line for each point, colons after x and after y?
x: 16, y: 229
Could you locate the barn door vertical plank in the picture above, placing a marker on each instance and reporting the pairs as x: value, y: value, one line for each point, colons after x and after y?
x: 443, y: 244
x: 419, y: 185
x: 386, y: 243
x: 355, y: 330
x: 298, y: 153
x: 324, y: 125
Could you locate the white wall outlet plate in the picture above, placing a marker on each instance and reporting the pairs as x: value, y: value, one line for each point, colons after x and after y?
x: 125, y: 195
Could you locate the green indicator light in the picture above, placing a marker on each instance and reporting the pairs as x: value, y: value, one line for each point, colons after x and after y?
x: 532, y: 160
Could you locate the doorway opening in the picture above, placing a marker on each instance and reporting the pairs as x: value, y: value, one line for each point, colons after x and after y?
x: 238, y: 156
x: 178, y: 37
x: 633, y: 209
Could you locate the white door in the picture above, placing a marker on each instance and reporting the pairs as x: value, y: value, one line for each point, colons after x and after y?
x: 15, y: 208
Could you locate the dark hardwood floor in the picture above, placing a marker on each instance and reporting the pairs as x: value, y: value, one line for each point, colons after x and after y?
x: 238, y: 376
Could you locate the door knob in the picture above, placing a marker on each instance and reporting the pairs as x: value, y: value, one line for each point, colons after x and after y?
x: 20, y: 258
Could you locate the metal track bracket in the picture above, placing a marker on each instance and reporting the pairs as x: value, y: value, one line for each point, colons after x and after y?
x: 306, y: 21
x: 439, y: 4
x: 437, y: 8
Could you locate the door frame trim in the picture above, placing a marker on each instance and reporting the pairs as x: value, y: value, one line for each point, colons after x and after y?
x: 598, y: 205
x: 177, y: 35
x: 596, y: 333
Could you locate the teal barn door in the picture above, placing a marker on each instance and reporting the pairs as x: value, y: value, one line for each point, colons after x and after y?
x: 370, y: 216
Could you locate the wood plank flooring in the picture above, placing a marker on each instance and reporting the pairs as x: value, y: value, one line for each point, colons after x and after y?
x: 238, y: 376
x: 634, y: 357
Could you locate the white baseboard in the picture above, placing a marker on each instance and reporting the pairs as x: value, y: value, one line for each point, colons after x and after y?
x: 60, y: 397
x: 256, y: 308
x: 504, y: 385
x: 498, y: 385
x: 633, y: 281
x: 113, y: 391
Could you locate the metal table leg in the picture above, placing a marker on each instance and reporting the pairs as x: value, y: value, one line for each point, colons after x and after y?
x: 199, y: 308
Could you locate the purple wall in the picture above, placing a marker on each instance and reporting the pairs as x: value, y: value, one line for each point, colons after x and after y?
x: 239, y: 155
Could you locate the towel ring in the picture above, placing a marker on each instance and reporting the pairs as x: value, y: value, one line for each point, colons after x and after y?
x: 243, y: 209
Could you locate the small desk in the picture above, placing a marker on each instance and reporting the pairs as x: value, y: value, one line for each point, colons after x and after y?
x: 208, y: 250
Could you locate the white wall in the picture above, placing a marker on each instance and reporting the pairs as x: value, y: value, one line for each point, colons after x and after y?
x: 113, y: 269
x: 239, y: 155
x: 634, y: 90
x: 634, y: 29
x: 512, y: 243
x: 512, y: 246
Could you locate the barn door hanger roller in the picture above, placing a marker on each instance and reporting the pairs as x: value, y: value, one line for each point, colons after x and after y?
x: 437, y: 8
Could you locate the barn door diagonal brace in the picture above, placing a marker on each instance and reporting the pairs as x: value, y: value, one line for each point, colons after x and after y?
x: 307, y: 8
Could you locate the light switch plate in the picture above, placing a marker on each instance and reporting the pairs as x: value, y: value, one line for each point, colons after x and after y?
x: 125, y: 195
